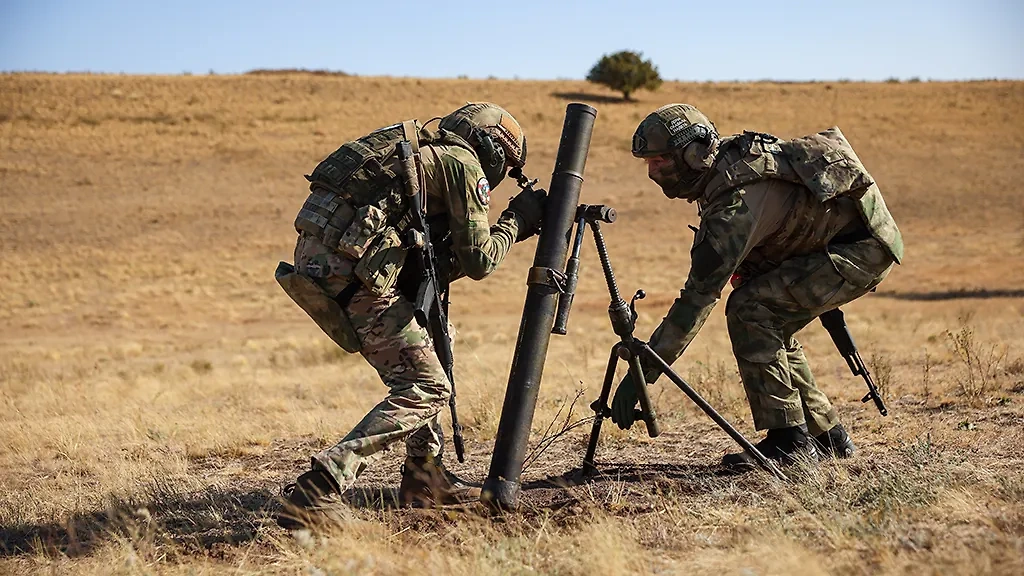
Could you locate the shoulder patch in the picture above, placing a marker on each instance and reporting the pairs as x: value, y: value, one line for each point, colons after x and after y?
x: 483, y: 191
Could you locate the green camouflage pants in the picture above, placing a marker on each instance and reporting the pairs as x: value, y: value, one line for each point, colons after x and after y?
x: 765, y: 312
x: 403, y: 354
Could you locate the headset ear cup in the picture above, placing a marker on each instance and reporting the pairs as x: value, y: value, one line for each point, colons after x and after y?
x: 697, y: 155
x: 496, y: 151
x: 492, y: 156
x: 491, y: 153
x: 498, y: 155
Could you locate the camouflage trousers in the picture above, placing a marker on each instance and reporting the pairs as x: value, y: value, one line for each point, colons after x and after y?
x: 403, y: 354
x: 766, y: 311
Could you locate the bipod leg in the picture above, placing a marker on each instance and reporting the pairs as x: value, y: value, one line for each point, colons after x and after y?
x: 659, y: 362
x: 601, y: 411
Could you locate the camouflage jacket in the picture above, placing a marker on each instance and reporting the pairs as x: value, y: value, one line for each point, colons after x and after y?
x: 456, y: 186
x: 756, y: 212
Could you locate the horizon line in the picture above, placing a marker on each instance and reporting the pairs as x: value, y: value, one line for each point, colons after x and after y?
x: 343, y: 74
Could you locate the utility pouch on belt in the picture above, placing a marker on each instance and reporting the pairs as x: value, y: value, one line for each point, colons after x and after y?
x: 366, y: 226
x: 377, y: 247
x: 826, y: 163
x: 382, y: 261
x: 324, y: 310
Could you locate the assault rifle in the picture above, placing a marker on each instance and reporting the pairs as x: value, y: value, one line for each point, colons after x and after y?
x: 835, y: 323
x: 431, y: 305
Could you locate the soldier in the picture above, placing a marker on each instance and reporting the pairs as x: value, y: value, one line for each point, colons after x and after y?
x: 800, y: 229
x: 350, y: 275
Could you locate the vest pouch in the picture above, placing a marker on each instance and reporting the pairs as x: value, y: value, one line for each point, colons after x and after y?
x: 382, y: 261
x: 826, y: 163
x: 369, y: 221
x: 316, y: 303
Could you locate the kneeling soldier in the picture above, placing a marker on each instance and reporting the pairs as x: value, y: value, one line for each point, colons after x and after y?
x: 351, y: 276
x: 800, y: 228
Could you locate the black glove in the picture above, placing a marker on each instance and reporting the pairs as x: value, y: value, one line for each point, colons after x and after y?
x: 528, y: 208
x: 624, y: 403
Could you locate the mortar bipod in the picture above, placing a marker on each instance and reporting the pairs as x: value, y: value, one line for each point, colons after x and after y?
x: 623, y: 318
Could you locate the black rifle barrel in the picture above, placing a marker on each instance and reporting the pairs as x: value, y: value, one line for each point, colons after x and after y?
x: 501, y: 488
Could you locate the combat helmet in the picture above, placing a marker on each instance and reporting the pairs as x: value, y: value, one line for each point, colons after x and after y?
x: 496, y: 136
x: 684, y: 134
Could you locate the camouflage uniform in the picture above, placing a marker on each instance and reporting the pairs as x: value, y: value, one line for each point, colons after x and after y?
x: 792, y: 257
x: 787, y: 283
x: 387, y: 333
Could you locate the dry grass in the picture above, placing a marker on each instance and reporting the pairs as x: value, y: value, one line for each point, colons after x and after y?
x: 158, y: 388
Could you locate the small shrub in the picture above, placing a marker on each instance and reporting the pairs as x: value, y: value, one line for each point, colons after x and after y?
x: 980, y: 364
x: 926, y: 375
x: 881, y: 366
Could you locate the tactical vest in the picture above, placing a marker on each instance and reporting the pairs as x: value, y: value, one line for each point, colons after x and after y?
x: 361, y: 174
x: 357, y: 205
x: 824, y: 163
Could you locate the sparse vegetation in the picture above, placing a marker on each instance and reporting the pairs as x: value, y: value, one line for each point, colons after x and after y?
x: 158, y: 388
x: 980, y: 364
x: 881, y: 368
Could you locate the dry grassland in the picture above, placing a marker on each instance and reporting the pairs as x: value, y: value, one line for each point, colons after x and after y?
x: 157, y: 387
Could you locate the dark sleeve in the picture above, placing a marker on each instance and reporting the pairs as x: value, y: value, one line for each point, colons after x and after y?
x: 721, y: 243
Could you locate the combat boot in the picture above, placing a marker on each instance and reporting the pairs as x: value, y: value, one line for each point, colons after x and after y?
x: 835, y: 443
x: 427, y: 483
x: 782, y: 445
x: 304, y: 498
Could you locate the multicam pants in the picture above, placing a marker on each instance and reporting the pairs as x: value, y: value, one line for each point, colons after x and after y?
x: 403, y: 354
x: 765, y: 312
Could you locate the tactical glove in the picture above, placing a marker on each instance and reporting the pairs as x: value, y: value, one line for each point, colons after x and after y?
x: 528, y: 208
x: 624, y: 402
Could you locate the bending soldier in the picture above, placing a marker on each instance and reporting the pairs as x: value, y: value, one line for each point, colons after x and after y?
x: 352, y: 277
x: 800, y: 228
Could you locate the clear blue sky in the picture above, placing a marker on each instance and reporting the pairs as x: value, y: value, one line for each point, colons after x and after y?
x: 544, y: 39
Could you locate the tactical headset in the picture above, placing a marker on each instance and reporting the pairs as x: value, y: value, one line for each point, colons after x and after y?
x: 492, y: 155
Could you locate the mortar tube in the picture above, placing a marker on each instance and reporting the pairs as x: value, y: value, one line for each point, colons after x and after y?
x: 501, y: 488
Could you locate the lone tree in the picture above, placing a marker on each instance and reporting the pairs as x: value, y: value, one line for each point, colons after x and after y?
x: 625, y: 71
